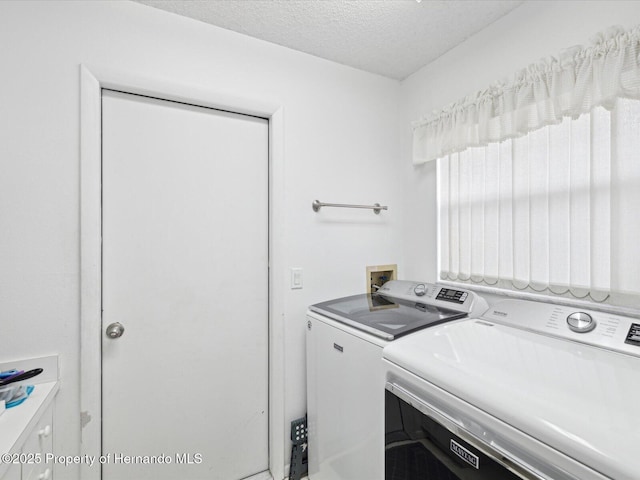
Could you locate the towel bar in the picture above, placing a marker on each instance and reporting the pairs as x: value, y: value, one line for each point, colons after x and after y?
x: 376, y: 207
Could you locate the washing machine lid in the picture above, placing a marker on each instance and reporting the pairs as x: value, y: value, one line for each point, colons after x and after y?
x: 384, y: 316
x: 578, y: 399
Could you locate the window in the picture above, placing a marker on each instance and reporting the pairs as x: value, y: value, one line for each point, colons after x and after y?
x: 555, y: 211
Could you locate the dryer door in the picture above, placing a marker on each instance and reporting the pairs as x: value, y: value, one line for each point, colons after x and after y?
x: 422, y: 444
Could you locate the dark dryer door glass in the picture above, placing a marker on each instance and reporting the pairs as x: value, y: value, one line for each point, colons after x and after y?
x: 419, y: 448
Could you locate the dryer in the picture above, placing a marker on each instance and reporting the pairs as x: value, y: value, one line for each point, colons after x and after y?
x: 345, y: 377
x: 530, y: 390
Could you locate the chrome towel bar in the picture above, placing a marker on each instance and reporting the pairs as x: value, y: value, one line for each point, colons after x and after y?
x: 376, y: 207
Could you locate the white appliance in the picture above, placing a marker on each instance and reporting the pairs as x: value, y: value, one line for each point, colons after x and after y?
x: 345, y: 377
x: 529, y: 390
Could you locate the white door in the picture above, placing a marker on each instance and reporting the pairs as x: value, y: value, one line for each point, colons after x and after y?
x: 185, y: 228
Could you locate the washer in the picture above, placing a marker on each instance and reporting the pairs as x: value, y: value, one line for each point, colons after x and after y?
x: 345, y: 377
x: 530, y: 390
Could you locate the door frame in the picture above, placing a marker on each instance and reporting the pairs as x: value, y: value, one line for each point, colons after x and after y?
x: 92, y: 80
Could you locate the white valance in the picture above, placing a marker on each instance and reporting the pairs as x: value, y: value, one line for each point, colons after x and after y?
x: 575, y: 82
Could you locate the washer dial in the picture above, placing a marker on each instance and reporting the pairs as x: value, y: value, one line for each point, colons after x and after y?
x: 420, y: 289
x: 581, y: 322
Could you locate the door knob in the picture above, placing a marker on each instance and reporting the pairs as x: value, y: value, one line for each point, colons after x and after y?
x: 115, y: 330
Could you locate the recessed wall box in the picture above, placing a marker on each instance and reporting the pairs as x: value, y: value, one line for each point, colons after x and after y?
x: 378, y: 275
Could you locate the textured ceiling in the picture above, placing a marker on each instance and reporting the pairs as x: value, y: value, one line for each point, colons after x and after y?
x: 393, y: 38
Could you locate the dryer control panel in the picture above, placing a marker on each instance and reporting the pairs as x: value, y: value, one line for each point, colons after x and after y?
x: 599, y: 329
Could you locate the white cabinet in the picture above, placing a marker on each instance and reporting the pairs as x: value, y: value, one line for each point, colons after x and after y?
x: 26, y: 431
x: 33, y: 453
x: 39, y: 443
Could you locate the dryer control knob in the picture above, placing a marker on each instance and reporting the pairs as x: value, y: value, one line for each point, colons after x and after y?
x: 420, y: 289
x: 581, y: 322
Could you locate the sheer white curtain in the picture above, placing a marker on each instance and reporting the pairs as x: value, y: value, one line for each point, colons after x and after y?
x: 554, y: 211
x: 573, y: 83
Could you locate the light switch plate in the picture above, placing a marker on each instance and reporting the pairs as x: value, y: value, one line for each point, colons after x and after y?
x: 296, y: 278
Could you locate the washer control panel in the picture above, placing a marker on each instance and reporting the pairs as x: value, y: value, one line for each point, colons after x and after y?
x: 581, y: 322
x: 633, y: 337
x: 599, y: 329
x: 451, y: 295
x: 437, y: 295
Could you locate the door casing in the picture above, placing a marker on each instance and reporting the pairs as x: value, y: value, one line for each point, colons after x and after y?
x: 92, y: 80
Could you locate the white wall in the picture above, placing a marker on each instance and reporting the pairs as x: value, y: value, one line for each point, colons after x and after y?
x: 347, y: 139
x: 534, y: 30
x: 341, y: 145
